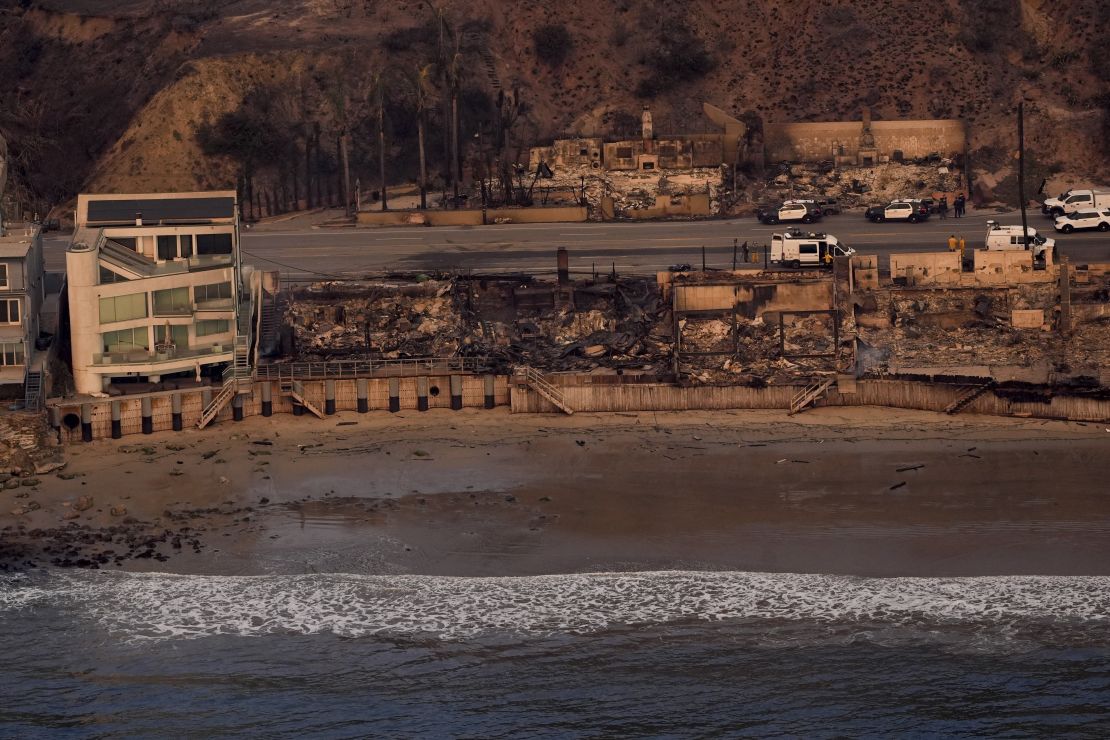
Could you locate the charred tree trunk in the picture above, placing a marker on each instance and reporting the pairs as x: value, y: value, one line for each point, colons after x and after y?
x: 455, y: 141
x: 423, y: 161
x: 320, y: 179
x: 309, y: 202
x: 345, y: 163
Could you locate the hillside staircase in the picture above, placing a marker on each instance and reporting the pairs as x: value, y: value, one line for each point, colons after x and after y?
x: 539, y: 384
x: 810, y: 395
x: 969, y: 394
x: 489, y: 64
x: 32, y: 390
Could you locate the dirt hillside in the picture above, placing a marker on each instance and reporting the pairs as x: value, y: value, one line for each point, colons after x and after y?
x: 132, y: 98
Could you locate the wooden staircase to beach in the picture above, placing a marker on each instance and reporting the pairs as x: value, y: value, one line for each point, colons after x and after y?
x: 969, y: 394
x: 810, y: 395
x: 295, y: 390
x: 539, y: 384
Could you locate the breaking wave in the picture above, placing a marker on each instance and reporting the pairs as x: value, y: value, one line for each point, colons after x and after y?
x: 181, y: 606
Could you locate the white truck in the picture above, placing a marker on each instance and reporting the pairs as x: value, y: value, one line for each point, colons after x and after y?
x: 798, y: 249
x: 1074, y: 200
x: 1009, y: 236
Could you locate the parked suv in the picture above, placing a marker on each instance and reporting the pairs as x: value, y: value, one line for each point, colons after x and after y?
x: 1069, y: 222
x: 790, y: 211
x: 826, y: 206
x: 899, y: 210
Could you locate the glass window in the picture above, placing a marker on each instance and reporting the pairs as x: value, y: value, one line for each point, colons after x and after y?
x: 172, y: 302
x: 808, y: 249
x: 186, y: 245
x: 213, y: 244
x: 167, y: 247
x: 126, y: 340
x: 212, y: 292
x: 123, y: 308
x: 178, y: 335
x: 107, y: 276
x: 9, y: 311
x: 3, y: 276
x: 208, y: 327
x: 11, y: 353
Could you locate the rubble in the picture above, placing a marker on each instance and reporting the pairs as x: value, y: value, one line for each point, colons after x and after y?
x: 630, y: 189
x: 851, y: 187
x: 610, y: 324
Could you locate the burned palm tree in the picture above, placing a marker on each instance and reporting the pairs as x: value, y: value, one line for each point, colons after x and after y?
x: 423, y: 95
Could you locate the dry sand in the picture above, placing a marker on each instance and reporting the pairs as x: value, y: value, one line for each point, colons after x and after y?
x: 859, y: 491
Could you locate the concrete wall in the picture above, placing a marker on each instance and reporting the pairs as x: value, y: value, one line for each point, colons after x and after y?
x: 926, y: 268
x: 816, y: 142
x: 473, y: 217
x: 889, y: 393
x: 1003, y: 267
x: 865, y: 272
x: 755, y: 300
x: 667, y: 206
x: 192, y: 403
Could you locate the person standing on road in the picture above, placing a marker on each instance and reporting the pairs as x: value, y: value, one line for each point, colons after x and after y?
x: 942, y: 207
x: 747, y: 252
x: 952, y: 243
x: 959, y: 204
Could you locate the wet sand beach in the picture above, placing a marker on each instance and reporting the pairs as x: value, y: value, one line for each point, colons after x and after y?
x: 848, y: 491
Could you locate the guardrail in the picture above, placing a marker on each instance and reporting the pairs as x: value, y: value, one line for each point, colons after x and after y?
x: 338, y: 369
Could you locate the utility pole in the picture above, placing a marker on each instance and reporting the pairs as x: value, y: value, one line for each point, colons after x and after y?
x: 1021, y: 172
x: 381, y: 143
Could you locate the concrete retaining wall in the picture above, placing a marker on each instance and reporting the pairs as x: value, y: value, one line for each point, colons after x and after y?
x: 473, y: 217
x: 98, y: 414
x: 820, y: 141
x: 889, y: 393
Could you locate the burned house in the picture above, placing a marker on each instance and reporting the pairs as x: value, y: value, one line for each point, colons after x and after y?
x: 649, y: 152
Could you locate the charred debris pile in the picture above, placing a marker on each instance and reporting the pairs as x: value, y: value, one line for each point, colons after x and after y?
x: 615, y: 323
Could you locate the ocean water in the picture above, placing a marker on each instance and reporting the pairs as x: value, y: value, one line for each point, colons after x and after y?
x: 656, y: 654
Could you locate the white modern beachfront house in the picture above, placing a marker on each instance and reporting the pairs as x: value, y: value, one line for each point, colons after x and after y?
x: 155, y: 289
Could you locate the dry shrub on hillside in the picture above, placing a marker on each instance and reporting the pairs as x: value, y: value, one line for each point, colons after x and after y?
x: 553, y: 44
x: 678, y: 56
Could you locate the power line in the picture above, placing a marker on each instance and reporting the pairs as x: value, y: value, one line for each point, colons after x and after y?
x: 294, y: 267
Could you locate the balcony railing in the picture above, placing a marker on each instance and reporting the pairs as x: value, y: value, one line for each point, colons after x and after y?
x: 130, y: 260
x: 411, y: 366
x: 216, y: 304
x: 161, y: 355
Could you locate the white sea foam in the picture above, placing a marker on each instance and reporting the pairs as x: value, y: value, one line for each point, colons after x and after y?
x: 166, y: 606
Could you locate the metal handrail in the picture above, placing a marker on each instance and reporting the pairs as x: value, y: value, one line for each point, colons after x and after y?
x: 362, y: 368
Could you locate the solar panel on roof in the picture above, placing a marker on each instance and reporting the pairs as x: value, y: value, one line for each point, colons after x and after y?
x: 154, y: 210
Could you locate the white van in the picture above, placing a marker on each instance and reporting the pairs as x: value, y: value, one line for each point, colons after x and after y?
x: 798, y: 249
x: 1011, y: 237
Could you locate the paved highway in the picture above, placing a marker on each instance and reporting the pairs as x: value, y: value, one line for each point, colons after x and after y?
x: 640, y: 248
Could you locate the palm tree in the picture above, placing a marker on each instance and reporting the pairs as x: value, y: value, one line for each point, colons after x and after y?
x: 423, y: 93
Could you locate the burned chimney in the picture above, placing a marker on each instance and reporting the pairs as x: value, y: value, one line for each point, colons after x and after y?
x: 563, y: 261
x: 866, y: 117
x: 648, y: 131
